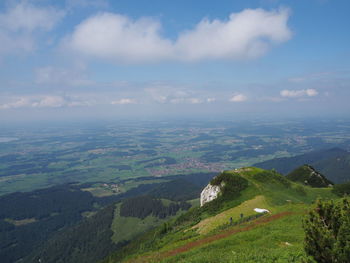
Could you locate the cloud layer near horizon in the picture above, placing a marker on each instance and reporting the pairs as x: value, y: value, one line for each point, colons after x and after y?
x: 299, y: 93
x: 244, y: 35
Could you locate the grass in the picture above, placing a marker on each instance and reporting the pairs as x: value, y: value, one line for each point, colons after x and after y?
x: 194, y: 202
x: 279, y: 191
x: 246, y: 208
x: 99, y: 191
x: 277, y: 241
x: 126, y: 228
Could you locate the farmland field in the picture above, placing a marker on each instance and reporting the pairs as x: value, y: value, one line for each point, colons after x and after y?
x: 111, y: 156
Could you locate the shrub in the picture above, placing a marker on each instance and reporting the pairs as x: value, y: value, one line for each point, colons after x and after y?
x: 233, y: 184
x: 272, y: 177
x: 327, y: 229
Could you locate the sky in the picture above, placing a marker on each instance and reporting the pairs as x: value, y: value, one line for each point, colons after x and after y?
x: 81, y: 59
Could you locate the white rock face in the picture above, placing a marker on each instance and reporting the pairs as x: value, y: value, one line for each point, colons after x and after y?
x: 209, y: 193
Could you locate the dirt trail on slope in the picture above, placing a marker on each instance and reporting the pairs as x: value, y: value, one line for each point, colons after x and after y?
x: 210, y: 239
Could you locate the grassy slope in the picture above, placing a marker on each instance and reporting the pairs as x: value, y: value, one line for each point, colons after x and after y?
x: 265, y: 189
x: 127, y: 228
x: 276, y: 241
x: 246, y: 208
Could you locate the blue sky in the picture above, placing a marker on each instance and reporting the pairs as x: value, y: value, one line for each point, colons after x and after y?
x: 120, y: 59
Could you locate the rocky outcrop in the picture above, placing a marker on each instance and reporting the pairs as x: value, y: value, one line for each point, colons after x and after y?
x: 209, y: 193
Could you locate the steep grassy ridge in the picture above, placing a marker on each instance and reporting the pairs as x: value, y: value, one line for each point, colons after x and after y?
x: 211, y: 238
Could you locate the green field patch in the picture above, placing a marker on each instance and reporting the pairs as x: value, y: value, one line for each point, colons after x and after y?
x: 126, y: 228
x: 246, y: 208
x: 21, y: 222
x: 102, y: 190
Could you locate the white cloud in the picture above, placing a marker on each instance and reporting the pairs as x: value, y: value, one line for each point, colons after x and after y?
x: 43, y: 101
x: 27, y: 17
x: 124, y: 101
x: 18, y: 103
x: 162, y: 93
x: 299, y: 93
x: 238, y: 98
x: 247, y: 34
x: 244, y: 35
x: 49, y: 101
x: 115, y: 36
x: 20, y: 22
x: 311, y: 92
x: 170, y: 93
x: 167, y: 94
x: 195, y: 101
x: 211, y: 99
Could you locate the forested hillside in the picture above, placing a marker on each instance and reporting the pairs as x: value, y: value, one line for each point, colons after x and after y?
x: 27, y: 219
x: 307, y: 175
x: 333, y: 163
x: 87, y: 242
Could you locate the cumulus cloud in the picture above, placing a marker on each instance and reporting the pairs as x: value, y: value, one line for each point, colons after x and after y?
x: 238, y: 98
x: 247, y: 34
x: 115, y: 36
x: 243, y: 35
x: 123, y: 101
x: 299, y: 93
x: 20, y: 22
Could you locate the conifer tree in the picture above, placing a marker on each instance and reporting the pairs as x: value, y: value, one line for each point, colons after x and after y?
x: 327, y: 229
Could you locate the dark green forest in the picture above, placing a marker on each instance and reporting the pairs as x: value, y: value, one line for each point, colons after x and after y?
x: 47, y: 211
x: 86, y: 243
x: 143, y: 206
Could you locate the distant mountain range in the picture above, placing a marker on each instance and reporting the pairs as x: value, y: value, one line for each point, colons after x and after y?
x: 334, y: 163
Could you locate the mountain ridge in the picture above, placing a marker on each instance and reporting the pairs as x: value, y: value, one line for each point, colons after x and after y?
x: 334, y: 163
x: 169, y: 243
x: 307, y: 175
